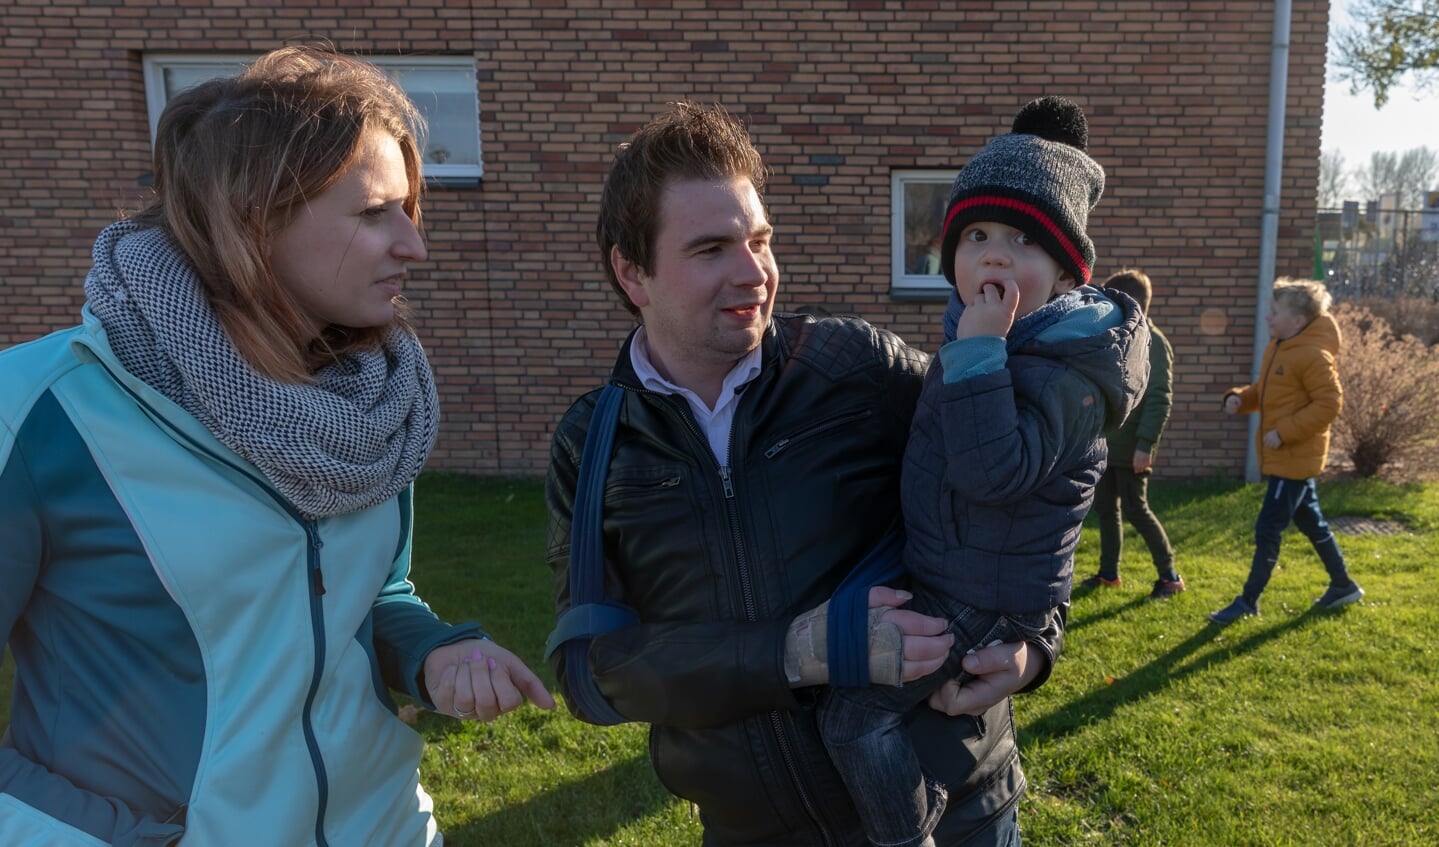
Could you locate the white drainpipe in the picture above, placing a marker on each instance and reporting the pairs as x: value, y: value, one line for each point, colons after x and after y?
x: 1269, y: 230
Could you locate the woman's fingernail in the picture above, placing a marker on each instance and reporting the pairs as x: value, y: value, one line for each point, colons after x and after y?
x: 491, y: 662
x: 476, y: 655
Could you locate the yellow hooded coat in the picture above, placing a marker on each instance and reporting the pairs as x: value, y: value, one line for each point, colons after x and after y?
x: 1298, y: 394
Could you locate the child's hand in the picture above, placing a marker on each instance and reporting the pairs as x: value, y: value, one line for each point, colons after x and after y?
x: 992, y: 312
x: 1231, y: 404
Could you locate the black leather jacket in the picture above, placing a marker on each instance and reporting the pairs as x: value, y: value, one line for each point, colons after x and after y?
x: 717, y: 561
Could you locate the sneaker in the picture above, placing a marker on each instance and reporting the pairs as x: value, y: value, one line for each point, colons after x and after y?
x: 1340, y: 595
x: 1098, y: 581
x: 1166, y: 588
x: 1234, y: 611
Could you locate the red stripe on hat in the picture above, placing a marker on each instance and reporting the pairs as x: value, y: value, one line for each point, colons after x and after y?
x: 1032, y: 211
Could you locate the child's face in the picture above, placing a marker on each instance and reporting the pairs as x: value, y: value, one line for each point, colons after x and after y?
x: 1284, y: 322
x: 991, y: 252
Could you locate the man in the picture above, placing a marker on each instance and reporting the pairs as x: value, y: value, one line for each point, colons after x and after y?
x: 756, y: 461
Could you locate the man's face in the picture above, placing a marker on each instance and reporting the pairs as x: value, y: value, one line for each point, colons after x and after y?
x: 712, y: 289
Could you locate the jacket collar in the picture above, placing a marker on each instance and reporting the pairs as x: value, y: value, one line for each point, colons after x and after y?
x: 772, y: 348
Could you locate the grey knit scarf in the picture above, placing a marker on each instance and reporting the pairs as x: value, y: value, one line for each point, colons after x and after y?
x: 353, y: 438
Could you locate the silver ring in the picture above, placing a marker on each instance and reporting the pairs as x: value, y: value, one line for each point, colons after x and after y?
x: 460, y: 714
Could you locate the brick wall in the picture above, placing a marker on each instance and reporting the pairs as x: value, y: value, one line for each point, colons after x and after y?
x: 512, y: 303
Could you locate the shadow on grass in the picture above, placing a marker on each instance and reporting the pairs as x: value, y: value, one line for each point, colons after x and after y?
x: 1155, y: 676
x: 1077, y: 623
x: 588, y: 809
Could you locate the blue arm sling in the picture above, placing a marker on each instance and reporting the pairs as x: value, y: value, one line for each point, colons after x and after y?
x: 589, y: 613
x: 848, y: 615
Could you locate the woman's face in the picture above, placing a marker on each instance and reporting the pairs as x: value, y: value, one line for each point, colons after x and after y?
x: 343, y: 257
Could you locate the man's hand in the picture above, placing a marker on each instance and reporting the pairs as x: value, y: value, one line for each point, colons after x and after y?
x: 1000, y: 670
x: 1143, y: 461
x: 480, y: 679
x: 992, y: 312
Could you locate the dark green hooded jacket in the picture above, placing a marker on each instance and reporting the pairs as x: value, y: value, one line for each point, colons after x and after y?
x: 1141, y: 430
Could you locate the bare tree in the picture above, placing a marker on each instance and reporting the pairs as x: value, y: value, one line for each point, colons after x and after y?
x: 1390, y: 38
x: 1379, y: 176
x: 1333, y: 180
x: 1418, y: 174
x: 1408, y: 174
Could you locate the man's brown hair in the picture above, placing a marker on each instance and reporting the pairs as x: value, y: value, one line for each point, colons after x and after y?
x: 688, y: 142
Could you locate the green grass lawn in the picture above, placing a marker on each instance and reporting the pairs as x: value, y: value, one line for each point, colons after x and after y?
x: 1294, y: 728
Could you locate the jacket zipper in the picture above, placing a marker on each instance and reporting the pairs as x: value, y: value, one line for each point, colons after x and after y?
x: 1264, y: 388
x: 317, y: 625
x: 776, y: 721
x: 780, y: 445
x: 746, y: 586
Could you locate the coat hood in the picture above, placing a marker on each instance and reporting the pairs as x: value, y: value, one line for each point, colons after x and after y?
x: 1121, y: 341
x: 1322, y: 333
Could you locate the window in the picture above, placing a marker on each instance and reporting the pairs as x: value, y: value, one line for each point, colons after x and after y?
x: 918, y: 200
x: 442, y: 88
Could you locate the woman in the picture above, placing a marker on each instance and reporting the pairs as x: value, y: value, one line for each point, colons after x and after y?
x: 205, y: 494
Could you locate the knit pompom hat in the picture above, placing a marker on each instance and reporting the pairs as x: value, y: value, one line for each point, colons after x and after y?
x: 1037, y: 179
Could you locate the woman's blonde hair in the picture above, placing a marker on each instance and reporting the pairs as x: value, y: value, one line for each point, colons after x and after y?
x: 237, y: 158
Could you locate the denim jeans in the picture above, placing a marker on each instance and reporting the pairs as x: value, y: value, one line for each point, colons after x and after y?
x: 1288, y: 500
x: 1002, y: 833
x: 1121, y: 495
x: 869, y: 742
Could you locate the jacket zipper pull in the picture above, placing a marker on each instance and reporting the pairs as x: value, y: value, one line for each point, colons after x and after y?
x: 725, y: 480
x: 313, y: 533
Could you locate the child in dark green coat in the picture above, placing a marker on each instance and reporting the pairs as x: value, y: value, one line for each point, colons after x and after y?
x: 1123, y: 491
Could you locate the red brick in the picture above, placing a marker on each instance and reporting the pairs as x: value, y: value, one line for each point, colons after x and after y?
x: 513, y: 304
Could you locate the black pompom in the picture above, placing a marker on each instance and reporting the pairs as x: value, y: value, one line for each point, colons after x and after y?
x: 1055, y: 119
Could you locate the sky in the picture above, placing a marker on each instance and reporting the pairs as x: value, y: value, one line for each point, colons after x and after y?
x: 1355, y: 128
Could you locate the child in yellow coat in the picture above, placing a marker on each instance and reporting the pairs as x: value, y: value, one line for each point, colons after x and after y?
x: 1297, y: 397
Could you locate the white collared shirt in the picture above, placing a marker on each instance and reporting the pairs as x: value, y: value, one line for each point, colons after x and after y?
x: 715, y: 422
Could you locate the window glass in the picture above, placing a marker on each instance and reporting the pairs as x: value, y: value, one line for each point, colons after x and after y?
x: 446, y: 97
x: 180, y: 77
x: 443, y: 89
x: 918, y: 201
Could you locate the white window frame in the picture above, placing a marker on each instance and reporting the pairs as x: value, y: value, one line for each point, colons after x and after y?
x: 398, y: 67
x: 903, y: 283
